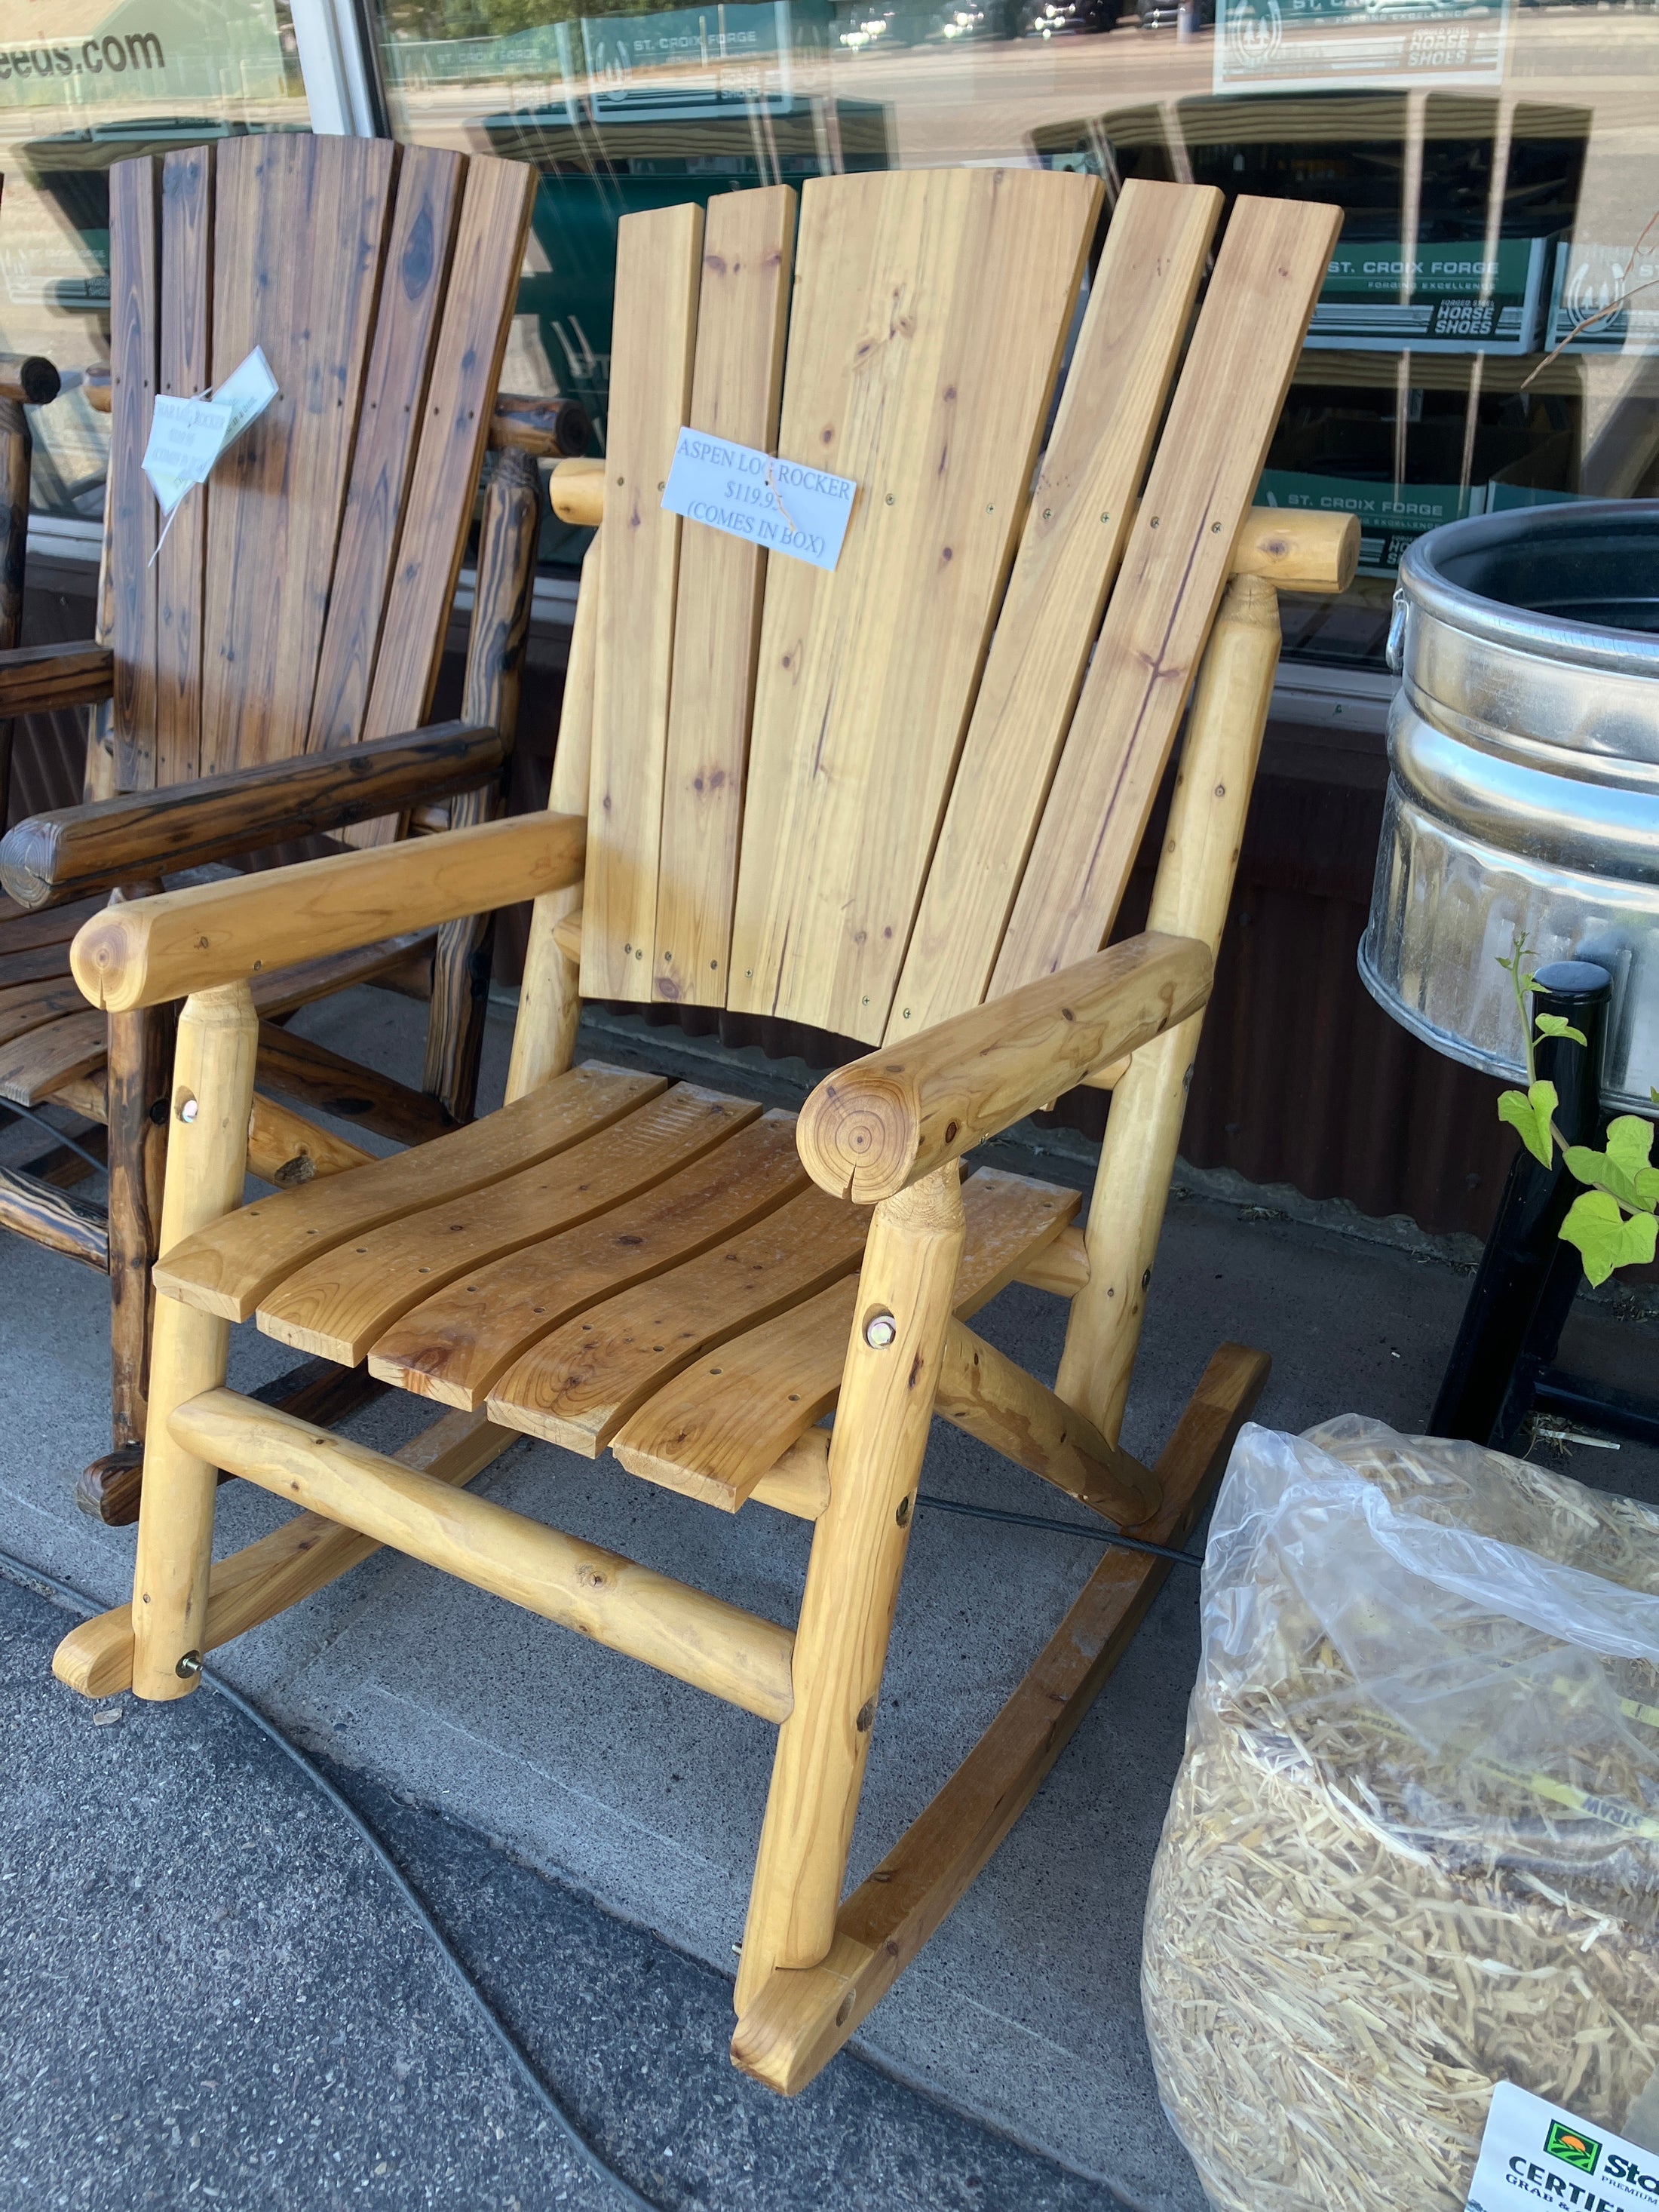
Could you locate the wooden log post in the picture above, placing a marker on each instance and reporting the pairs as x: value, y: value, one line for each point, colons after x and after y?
x: 1194, y: 889
x: 681, y: 1631
x: 278, y: 1571
x: 893, y: 1361
x: 209, y: 1105
x: 140, y: 1056
x: 799, y: 2019
x: 550, y: 997
x: 15, y: 453
x: 494, y: 667
x: 284, y: 1148
x: 986, y: 1394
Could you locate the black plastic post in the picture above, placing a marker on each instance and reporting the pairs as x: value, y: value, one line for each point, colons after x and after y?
x: 1527, y: 1278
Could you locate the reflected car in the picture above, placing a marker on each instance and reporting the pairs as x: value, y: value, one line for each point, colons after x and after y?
x: 1067, y: 19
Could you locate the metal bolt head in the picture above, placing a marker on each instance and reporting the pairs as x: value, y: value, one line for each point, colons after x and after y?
x: 880, y: 1331
x: 189, y: 1667
x: 188, y: 1110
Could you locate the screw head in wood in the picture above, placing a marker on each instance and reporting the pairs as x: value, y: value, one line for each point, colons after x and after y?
x: 889, y: 499
x: 880, y: 1331
x: 189, y: 1667
x: 188, y: 1110
x: 902, y: 1517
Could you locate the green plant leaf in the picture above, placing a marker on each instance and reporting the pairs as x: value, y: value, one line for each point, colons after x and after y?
x: 1559, y: 1025
x: 1623, y: 1169
x: 1605, y: 1240
x: 1530, y: 1111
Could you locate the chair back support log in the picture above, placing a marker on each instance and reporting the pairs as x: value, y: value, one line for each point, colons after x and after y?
x: 297, y: 604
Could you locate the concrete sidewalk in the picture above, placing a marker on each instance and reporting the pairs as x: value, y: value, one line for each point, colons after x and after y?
x: 212, y: 1992
x: 1025, y: 2009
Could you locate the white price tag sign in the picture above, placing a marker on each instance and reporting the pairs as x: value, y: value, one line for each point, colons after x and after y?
x: 1534, y: 2153
x: 187, y: 437
x: 783, y: 507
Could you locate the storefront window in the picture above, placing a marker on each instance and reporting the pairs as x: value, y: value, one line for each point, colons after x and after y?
x: 1489, y: 332
x: 83, y: 84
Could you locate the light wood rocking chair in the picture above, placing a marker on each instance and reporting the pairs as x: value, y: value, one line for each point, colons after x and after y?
x: 922, y: 844
x: 262, y: 667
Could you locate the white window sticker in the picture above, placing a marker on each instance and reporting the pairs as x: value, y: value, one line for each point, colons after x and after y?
x: 1535, y: 2153
x: 187, y: 437
x: 783, y: 507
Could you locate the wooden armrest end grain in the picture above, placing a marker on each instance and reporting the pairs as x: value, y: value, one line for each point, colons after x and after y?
x: 29, y: 377
x: 544, y: 429
x: 150, y: 951
x: 577, y: 490
x: 872, y: 1128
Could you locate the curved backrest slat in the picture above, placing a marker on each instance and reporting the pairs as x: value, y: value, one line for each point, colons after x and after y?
x: 423, y: 231
x: 1209, y: 460
x: 300, y: 227
x: 1117, y: 385
x: 931, y: 307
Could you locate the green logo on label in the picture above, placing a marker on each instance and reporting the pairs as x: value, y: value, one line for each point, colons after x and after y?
x: 1572, y: 2147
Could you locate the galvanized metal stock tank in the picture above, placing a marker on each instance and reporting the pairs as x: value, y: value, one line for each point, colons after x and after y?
x: 1524, y: 791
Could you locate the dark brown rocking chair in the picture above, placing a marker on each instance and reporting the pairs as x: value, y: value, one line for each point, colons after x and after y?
x: 264, y: 674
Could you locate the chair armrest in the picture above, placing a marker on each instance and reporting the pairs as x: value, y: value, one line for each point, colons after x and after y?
x: 544, y: 429
x: 872, y: 1128
x: 30, y: 379
x: 149, y: 951
x: 54, y: 858
x: 38, y: 679
x: 576, y: 489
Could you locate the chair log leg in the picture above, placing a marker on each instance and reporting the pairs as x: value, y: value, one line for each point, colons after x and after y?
x: 1193, y: 890
x: 853, y: 1577
x: 140, y: 1050
x: 460, y: 987
x: 16, y: 449
x: 209, y: 1105
x: 549, y: 998
x: 495, y: 666
x: 790, y: 2028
